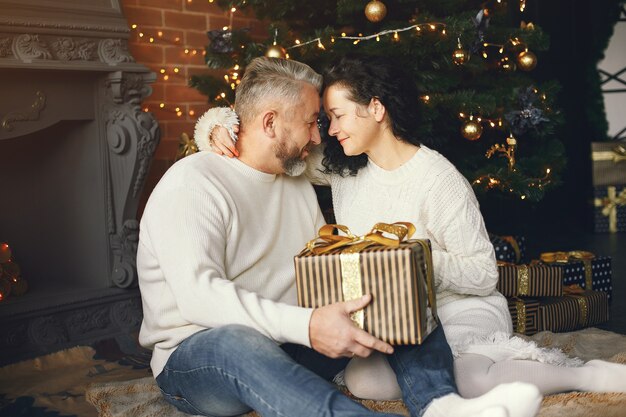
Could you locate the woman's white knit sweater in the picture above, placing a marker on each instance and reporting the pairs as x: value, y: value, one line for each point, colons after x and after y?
x: 431, y: 193
x: 216, y: 246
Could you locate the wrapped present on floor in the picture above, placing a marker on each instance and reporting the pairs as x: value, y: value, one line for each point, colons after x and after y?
x: 525, y: 315
x: 609, y: 163
x: 529, y: 280
x: 576, y: 309
x: 509, y: 248
x: 397, y: 272
x: 610, y: 209
x: 583, y: 268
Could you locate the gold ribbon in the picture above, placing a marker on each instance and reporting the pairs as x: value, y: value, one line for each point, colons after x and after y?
x: 352, y: 245
x: 520, y: 307
x: 522, y: 276
x: 575, y: 255
x: 577, y: 292
x: 609, y: 205
x: 617, y: 154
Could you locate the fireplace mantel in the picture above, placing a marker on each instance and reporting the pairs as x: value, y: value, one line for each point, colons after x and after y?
x: 75, y: 149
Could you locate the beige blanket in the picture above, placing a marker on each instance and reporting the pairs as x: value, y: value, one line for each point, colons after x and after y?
x: 71, y: 382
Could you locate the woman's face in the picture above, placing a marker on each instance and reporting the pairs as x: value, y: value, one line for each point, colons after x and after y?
x: 351, y: 123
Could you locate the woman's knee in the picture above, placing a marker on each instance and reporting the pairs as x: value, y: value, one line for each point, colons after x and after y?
x: 372, y: 378
x: 472, y: 377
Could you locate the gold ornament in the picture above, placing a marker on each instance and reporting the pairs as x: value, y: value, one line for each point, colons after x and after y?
x: 275, y: 51
x: 5, y: 252
x: 471, y: 130
x: 527, y: 61
x: 460, y: 56
x: 375, y: 11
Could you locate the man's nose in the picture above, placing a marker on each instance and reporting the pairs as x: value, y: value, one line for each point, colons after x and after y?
x: 316, y: 138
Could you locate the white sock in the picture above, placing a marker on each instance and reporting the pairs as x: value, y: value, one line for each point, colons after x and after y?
x: 518, y: 399
x: 604, y: 377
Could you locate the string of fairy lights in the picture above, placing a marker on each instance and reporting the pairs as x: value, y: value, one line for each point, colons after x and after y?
x: 472, y: 125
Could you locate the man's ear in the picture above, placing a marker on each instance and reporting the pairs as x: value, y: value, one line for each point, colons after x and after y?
x: 377, y: 109
x: 269, y: 123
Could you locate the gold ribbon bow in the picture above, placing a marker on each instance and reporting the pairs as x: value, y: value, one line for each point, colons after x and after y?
x: 574, y: 255
x: 609, y: 205
x: 327, y: 241
x: 617, y: 154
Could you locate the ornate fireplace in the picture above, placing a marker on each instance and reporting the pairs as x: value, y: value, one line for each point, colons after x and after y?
x: 75, y: 148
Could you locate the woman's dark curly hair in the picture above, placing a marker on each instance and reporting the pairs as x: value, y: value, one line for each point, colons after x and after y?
x: 366, y: 78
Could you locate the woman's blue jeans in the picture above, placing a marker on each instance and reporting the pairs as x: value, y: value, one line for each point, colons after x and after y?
x: 232, y: 369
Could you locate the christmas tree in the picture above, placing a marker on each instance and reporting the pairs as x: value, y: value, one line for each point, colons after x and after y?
x: 472, y: 62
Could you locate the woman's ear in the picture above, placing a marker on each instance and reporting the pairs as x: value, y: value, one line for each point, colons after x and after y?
x: 269, y: 123
x: 377, y: 109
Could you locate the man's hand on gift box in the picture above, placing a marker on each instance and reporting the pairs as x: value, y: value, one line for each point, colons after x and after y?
x: 334, y: 334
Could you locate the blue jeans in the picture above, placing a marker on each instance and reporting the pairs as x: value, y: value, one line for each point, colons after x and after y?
x: 232, y: 369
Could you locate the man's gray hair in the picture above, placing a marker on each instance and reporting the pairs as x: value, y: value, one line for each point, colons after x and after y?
x: 277, y: 79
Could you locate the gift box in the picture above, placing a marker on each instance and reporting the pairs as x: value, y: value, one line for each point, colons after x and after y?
x: 583, y: 269
x: 534, y: 280
x: 609, y: 163
x: 573, y: 311
x: 525, y: 315
x: 398, y: 274
x: 609, y: 209
x: 510, y: 249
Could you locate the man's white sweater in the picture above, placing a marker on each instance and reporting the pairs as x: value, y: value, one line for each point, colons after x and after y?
x: 216, y: 246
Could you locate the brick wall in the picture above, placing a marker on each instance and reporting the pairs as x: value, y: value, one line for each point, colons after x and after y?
x: 178, y: 30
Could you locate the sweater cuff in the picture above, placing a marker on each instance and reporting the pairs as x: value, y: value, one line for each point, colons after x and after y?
x: 217, y: 116
x: 295, y: 325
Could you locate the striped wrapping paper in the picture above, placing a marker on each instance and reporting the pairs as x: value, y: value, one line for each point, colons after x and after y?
x: 573, y: 311
x: 532, y: 280
x: 396, y: 277
x: 525, y: 315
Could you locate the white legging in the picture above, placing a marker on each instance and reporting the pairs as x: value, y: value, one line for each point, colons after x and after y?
x: 373, y: 378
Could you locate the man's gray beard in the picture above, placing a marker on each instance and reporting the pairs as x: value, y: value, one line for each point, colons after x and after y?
x: 292, y: 163
x: 294, y: 167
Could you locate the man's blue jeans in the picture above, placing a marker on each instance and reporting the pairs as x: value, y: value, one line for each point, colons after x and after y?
x: 232, y: 369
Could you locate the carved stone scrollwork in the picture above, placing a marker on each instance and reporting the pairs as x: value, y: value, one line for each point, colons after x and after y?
x: 124, y: 246
x: 127, y: 314
x: 69, y: 49
x: 23, y: 116
x: 28, y: 47
x: 14, y: 337
x: 114, y: 51
x: 84, y: 322
x: 132, y: 136
x: 5, y: 47
x: 47, y: 331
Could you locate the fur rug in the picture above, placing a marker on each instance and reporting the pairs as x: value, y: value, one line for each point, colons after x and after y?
x: 83, y: 382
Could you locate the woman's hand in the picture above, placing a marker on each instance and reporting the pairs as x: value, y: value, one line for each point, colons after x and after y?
x: 221, y: 142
